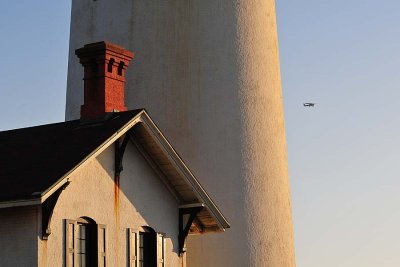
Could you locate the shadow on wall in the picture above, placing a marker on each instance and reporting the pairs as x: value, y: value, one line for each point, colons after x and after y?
x: 141, y: 189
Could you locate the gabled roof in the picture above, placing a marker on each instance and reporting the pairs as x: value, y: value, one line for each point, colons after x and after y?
x: 33, y: 159
x: 37, y: 161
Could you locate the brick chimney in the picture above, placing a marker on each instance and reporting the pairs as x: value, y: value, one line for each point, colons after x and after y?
x: 104, y: 78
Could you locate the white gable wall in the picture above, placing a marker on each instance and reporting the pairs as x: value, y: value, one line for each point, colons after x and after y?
x: 143, y: 201
x: 18, y: 231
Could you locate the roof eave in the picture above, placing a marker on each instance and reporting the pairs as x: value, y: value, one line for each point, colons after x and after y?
x: 64, y: 179
x: 181, y: 167
x: 20, y: 203
x: 177, y: 162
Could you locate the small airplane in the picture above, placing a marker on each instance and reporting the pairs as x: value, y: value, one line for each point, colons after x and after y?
x: 309, y: 104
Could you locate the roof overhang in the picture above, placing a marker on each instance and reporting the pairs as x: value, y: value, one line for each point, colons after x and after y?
x: 176, y: 176
x: 165, y: 161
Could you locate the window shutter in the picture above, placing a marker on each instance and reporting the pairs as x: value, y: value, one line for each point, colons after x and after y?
x: 133, y: 248
x: 160, y: 250
x: 70, y: 227
x: 101, y: 245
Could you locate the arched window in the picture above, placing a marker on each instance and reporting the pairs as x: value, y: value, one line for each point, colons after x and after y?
x: 147, y: 247
x: 85, y: 243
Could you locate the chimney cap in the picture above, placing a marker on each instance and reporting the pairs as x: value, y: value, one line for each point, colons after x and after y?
x: 95, y: 48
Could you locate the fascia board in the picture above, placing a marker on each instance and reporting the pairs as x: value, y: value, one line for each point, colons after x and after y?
x: 183, y: 170
x: 19, y: 203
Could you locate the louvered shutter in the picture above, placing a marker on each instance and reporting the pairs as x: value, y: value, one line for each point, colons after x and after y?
x: 101, y: 245
x: 160, y: 250
x: 70, y: 253
x: 133, y: 248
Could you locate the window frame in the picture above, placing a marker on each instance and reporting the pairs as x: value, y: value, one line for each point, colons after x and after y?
x: 135, y: 257
x: 96, y: 235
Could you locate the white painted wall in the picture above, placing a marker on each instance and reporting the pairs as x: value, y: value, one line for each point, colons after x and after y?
x: 18, y: 236
x: 208, y: 73
x: 143, y: 201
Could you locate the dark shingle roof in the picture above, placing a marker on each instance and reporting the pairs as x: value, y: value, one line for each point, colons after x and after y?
x: 33, y: 159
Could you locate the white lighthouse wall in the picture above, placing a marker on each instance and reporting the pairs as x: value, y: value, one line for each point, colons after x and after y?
x: 143, y: 201
x: 208, y: 74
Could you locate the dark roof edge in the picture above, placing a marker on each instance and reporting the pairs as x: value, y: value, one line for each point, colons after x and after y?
x: 20, y: 203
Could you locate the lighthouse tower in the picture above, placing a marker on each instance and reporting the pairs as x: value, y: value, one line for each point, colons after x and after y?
x: 208, y: 73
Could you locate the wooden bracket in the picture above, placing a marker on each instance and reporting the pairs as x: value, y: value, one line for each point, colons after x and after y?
x: 47, y: 209
x: 119, y: 153
x: 185, y: 227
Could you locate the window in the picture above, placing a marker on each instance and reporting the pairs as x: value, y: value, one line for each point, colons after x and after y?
x: 146, y: 248
x: 85, y: 243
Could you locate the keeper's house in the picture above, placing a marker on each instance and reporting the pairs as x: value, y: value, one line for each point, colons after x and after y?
x: 105, y: 190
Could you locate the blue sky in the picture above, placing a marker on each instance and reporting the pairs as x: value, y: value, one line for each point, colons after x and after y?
x: 33, y: 69
x: 343, y: 158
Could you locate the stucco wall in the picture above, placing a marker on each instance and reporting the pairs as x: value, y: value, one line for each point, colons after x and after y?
x: 18, y: 236
x: 208, y: 73
x: 143, y: 201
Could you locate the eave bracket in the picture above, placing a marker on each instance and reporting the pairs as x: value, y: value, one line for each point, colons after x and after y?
x: 184, y: 227
x: 47, y: 209
x: 119, y: 153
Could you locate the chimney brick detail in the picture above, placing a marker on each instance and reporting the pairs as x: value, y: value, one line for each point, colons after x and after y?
x: 104, y: 78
